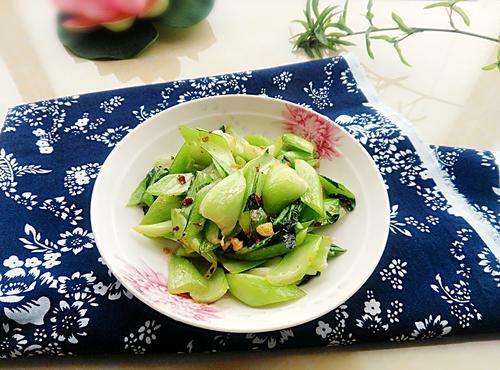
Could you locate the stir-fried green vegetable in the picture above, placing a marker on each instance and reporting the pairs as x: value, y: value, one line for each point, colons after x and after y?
x: 243, y: 210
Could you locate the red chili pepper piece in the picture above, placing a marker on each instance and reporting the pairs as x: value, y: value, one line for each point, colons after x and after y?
x: 181, y: 179
x: 187, y: 201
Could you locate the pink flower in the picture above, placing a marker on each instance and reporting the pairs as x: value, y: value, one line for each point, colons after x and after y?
x: 152, y: 285
x: 324, y: 135
x: 116, y: 15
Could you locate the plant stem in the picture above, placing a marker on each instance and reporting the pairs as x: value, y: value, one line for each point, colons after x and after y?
x: 421, y: 29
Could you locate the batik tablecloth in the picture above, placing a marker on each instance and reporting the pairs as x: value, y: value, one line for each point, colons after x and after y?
x: 439, y: 275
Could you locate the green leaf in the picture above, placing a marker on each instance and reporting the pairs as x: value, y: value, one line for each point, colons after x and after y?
x: 343, y: 17
x: 368, y: 44
x: 340, y: 26
x: 105, y: 44
x: 335, y: 34
x: 315, y: 7
x: 324, y: 17
x: 321, y: 37
x: 303, y: 23
x: 402, y: 26
x: 344, y: 42
x: 443, y: 4
x: 464, y: 16
x: 307, y: 13
x: 185, y: 13
x: 490, y: 67
x: 400, y: 53
x: 369, y: 15
x: 383, y: 37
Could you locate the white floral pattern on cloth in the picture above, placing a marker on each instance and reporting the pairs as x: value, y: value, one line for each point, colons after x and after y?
x: 137, y: 342
x: 78, y: 176
x: 395, y: 225
x: 458, y: 296
x: 269, y: 340
x: 394, y: 273
x: 490, y: 264
x: 448, y: 159
x: 372, y: 320
x: 282, y: 80
x: 490, y: 215
x: 60, y: 208
x: 320, y: 96
x: 110, y: 136
x: 10, y: 172
x: 349, y: 82
x: 69, y: 321
x: 84, y: 124
x: 335, y: 332
x: 47, y: 116
x: 108, y: 106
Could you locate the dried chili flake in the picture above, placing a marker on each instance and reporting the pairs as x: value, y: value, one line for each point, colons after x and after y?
x: 187, y: 201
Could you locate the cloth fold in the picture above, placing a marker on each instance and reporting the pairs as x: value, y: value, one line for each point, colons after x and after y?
x: 439, y: 274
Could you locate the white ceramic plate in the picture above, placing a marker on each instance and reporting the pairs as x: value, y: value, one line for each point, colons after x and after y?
x: 141, y: 264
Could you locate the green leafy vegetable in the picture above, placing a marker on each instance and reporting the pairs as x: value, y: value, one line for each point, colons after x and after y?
x: 256, y: 291
x: 244, y: 209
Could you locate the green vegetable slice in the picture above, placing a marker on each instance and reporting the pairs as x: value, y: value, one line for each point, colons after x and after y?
x: 224, y: 201
x: 216, y: 288
x: 294, y: 142
x: 335, y: 251
x: 258, y: 140
x: 235, y: 266
x: 201, y: 179
x: 179, y: 222
x: 320, y: 261
x: 183, y: 277
x: 159, y: 230
x: 212, y: 232
x: 313, y: 197
x: 263, y: 253
x: 219, y: 150
x: 239, y: 146
x: 253, y: 171
x: 174, y: 184
x: 192, y: 237
x: 295, y: 264
x: 333, y: 210
x: 183, y: 162
x: 282, y: 186
x: 256, y: 291
x: 136, y: 196
x: 335, y: 189
x: 301, y: 229
x: 161, y: 209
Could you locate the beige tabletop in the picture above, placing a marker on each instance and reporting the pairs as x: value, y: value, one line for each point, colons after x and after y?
x: 445, y: 94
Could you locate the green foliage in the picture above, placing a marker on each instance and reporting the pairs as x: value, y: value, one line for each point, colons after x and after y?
x: 451, y: 8
x: 323, y: 32
x: 494, y: 65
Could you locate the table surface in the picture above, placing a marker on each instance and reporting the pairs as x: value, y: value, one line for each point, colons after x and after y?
x: 445, y: 94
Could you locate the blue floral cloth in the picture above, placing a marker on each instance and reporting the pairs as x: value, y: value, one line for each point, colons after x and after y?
x: 439, y: 274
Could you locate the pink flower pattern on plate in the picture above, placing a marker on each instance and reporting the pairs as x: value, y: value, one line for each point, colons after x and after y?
x: 311, y: 126
x: 152, y: 286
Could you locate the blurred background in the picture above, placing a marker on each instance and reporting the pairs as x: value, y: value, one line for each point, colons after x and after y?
x: 445, y: 94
